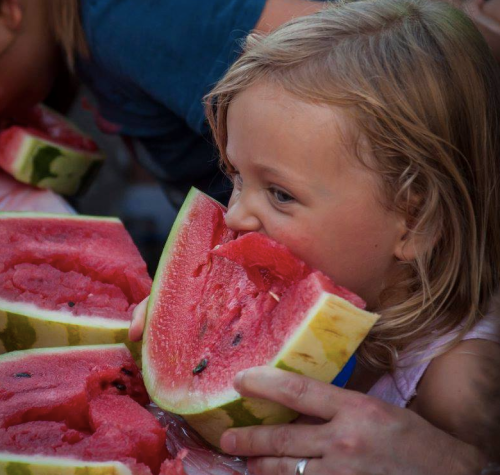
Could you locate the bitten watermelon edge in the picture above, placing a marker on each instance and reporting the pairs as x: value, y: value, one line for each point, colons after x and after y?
x: 313, y: 327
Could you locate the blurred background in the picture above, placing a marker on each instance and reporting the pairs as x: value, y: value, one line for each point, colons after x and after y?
x: 122, y: 188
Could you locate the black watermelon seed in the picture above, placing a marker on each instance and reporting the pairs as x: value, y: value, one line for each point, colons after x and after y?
x: 119, y: 386
x: 22, y: 375
x: 127, y: 372
x: 237, y: 339
x: 71, y: 304
x: 201, y: 367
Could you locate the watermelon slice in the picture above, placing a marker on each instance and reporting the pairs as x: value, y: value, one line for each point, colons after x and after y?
x: 76, y: 411
x: 43, y: 149
x: 222, y: 303
x: 67, y: 280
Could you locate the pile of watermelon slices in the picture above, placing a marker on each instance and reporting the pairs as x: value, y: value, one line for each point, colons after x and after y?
x: 41, y: 148
x: 219, y: 303
x: 67, y: 280
x: 77, y: 411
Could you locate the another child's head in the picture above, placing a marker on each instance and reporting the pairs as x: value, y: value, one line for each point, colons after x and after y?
x: 367, y: 138
x: 35, y: 36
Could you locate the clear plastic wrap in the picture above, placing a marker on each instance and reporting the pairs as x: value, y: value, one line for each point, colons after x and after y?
x: 200, y: 459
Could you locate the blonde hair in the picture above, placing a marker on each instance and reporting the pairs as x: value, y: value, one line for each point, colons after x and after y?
x: 423, y: 88
x: 64, y: 21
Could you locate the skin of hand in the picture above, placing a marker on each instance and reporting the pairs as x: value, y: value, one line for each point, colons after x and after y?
x: 360, y: 434
x: 138, y: 321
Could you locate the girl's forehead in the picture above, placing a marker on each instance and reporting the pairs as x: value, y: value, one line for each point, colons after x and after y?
x: 268, y: 121
x: 280, y: 138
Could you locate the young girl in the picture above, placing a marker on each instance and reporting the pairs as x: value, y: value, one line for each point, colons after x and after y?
x: 367, y: 139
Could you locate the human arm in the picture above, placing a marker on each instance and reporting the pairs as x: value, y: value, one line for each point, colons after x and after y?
x: 277, y: 12
x: 361, y: 435
x: 454, y: 391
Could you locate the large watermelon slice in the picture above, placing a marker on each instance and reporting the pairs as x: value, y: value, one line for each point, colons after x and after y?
x: 67, y: 280
x: 222, y: 303
x: 76, y: 411
x: 43, y: 149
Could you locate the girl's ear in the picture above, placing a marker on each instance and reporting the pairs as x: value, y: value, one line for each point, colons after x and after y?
x: 11, y: 17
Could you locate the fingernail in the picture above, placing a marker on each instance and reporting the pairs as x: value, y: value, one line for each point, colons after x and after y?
x: 237, y: 380
x: 228, y: 442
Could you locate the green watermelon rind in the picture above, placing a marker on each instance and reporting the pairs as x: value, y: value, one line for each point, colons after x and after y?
x: 32, y: 311
x: 316, y: 343
x: 16, y: 355
x: 23, y: 331
x: 36, y: 215
x: 13, y: 464
x: 79, y: 164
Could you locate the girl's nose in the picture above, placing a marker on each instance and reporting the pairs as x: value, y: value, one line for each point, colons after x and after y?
x: 240, y: 216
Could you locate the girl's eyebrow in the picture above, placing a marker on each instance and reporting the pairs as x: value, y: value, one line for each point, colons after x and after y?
x: 275, y: 172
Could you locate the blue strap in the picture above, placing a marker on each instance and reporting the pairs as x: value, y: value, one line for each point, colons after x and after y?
x: 346, y: 373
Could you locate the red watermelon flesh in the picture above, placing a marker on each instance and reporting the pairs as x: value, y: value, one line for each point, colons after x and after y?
x: 176, y: 466
x: 244, y: 295
x: 82, y: 266
x: 83, y: 403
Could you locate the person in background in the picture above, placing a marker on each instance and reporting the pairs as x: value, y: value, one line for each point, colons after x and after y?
x: 149, y: 64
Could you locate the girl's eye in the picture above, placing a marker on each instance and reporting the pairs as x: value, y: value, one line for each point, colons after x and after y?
x: 282, y: 197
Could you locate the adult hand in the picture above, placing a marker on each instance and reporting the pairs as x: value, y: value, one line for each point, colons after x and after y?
x: 360, y: 435
x: 138, y: 321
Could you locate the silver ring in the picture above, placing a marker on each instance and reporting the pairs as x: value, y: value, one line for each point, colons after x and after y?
x: 300, y: 468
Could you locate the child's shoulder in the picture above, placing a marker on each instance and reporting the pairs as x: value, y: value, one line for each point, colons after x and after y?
x: 452, y: 393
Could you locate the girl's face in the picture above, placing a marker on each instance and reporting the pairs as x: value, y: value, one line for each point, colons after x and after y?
x: 29, y: 58
x: 297, y: 180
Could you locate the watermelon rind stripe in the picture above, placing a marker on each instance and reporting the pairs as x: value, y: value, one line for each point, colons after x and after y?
x: 16, y: 355
x: 13, y: 464
x: 65, y: 172
x: 36, y: 215
x: 20, y: 331
x: 32, y: 311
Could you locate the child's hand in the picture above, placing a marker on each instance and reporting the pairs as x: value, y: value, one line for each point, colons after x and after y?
x: 138, y: 320
x: 360, y: 434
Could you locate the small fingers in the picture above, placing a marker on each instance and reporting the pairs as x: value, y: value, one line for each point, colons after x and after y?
x: 292, y: 440
x: 138, y: 319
